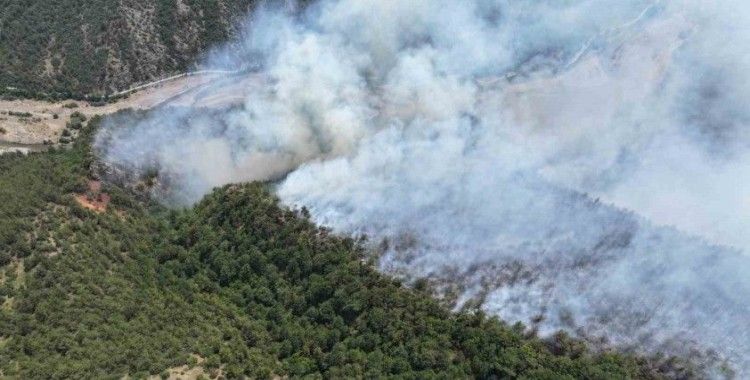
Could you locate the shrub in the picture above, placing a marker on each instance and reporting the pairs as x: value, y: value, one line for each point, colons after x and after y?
x: 19, y: 114
x: 78, y: 115
x: 74, y: 124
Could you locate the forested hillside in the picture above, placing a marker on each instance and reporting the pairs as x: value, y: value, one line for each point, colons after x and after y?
x: 70, y: 48
x: 96, y: 284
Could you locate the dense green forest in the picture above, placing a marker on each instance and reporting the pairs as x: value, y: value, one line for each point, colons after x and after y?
x: 238, y: 284
x: 69, y: 48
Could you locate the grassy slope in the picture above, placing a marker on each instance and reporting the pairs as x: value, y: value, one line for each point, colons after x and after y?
x: 251, y: 286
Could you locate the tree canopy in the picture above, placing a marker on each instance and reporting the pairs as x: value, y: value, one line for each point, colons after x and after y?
x: 239, y: 285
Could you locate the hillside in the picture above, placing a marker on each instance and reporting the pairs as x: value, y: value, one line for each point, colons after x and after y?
x: 95, y: 283
x: 71, y: 48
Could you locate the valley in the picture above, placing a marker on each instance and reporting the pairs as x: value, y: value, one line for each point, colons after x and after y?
x: 325, y: 189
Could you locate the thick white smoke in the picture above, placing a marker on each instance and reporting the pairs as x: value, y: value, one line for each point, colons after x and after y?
x: 581, y: 164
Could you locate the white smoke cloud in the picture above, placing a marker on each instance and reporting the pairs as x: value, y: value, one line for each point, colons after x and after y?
x: 582, y: 161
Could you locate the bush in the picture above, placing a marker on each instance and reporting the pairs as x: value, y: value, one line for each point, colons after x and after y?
x: 20, y: 114
x: 74, y: 124
x: 78, y: 115
x: 5, y: 258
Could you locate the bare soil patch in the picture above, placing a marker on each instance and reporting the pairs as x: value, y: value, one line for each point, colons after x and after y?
x: 94, y: 199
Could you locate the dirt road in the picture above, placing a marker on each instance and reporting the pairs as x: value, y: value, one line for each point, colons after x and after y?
x: 33, y: 122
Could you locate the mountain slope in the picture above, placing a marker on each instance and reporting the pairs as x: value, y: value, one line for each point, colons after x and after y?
x: 237, y: 285
x: 70, y: 48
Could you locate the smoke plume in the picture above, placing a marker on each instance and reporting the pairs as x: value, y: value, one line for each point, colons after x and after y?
x: 578, y: 165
